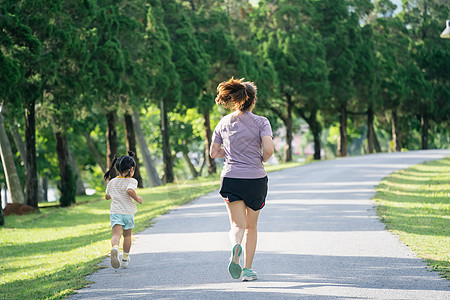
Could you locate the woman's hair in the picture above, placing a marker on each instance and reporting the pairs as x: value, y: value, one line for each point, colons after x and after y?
x: 236, y: 94
x: 121, y: 164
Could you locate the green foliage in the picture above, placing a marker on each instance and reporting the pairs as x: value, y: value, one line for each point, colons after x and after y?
x: 162, y: 69
x: 79, y: 59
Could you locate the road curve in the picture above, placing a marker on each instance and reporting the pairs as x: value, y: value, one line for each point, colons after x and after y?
x: 319, y: 238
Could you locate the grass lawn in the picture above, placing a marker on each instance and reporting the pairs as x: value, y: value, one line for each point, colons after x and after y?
x: 47, y: 255
x: 415, y: 204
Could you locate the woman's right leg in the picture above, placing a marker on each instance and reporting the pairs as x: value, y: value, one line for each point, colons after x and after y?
x: 237, y: 214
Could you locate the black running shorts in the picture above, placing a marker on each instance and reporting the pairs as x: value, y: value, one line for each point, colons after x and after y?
x: 252, y: 191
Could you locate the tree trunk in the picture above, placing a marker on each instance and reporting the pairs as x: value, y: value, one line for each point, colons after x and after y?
x: 342, y: 142
x: 67, y: 185
x: 210, y: 162
x: 288, y: 124
x: 45, y: 188
x: 376, y: 142
x: 98, y: 157
x: 131, y: 146
x: 80, y: 190
x: 190, y: 165
x: 19, y: 143
x: 315, y: 129
x: 111, y: 141
x: 152, y: 174
x: 424, y: 126
x: 395, y: 132
x: 167, y: 153
x: 30, y: 148
x: 202, y: 165
x: 9, y: 167
x: 23, y: 154
x: 370, y: 130
x: 2, y: 216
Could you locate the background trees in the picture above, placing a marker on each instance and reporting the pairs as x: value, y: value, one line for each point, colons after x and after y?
x: 91, y: 78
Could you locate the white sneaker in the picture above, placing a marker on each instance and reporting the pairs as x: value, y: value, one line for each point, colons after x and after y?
x: 124, y: 263
x: 115, y: 263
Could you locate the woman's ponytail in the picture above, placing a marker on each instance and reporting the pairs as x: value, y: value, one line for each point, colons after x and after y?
x: 236, y: 94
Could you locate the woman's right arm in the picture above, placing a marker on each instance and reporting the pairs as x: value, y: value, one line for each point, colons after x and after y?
x: 268, y: 148
x: 216, y: 150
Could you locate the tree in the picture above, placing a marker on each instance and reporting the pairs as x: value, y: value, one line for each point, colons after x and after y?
x: 392, y: 45
x: 166, y: 86
x: 190, y: 61
x: 67, y: 81
x: 337, y: 26
x: 285, y: 31
x: 107, y: 66
x: 431, y: 55
x: 212, y: 31
x: 9, y: 167
x: 149, y: 164
x: 366, y: 85
x: 20, y: 52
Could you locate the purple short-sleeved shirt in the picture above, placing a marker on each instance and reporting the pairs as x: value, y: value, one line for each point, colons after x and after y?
x: 241, y: 137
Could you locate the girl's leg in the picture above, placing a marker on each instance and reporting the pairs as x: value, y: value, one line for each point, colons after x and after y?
x: 127, y: 240
x: 116, y: 233
x: 251, y: 236
x: 236, y: 212
x: 115, y: 240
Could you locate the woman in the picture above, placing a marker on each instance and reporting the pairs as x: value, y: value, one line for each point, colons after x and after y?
x: 243, y: 183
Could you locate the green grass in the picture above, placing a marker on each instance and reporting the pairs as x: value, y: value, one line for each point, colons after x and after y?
x: 415, y: 204
x: 47, y: 255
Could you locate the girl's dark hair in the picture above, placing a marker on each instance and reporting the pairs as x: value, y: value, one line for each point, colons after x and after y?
x: 121, y: 164
x: 236, y: 94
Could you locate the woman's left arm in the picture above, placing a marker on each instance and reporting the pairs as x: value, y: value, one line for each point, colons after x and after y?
x: 216, y: 150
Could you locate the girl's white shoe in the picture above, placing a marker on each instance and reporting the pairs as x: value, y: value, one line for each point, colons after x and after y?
x: 124, y: 263
x: 115, y: 263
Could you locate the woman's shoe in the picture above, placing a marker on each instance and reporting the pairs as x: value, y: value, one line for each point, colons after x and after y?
x: 234, y: 268
x: 248, y: 275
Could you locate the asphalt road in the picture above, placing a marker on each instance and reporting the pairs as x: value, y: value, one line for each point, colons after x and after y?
x: 319, y: 238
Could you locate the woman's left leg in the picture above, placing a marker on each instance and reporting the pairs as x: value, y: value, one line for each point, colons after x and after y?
x: 237, y: 214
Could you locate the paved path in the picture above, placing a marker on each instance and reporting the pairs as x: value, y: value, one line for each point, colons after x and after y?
x: 319, y: 238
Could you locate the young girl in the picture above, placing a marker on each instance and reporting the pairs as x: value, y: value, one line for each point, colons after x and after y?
x: 121, y: 190
x: 239, y: 138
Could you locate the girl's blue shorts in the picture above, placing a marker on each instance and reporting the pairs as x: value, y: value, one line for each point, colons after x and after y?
x: 127, y: 221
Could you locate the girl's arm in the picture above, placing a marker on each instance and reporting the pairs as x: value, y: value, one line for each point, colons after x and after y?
x: 132, y: 194
x: 268, y: 148
x: 216, y: 151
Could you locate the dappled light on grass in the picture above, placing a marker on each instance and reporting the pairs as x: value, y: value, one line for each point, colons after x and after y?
x: 415, y: 204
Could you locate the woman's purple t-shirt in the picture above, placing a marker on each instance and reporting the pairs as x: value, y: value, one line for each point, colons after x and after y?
x: 241, y: 137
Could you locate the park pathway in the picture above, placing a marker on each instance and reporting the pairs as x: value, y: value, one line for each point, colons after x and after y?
x: 319, y: 238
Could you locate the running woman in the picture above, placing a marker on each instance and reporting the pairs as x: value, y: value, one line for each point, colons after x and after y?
x: 239, y: 138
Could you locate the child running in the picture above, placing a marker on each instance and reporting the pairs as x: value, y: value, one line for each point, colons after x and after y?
x: 121, y: 190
